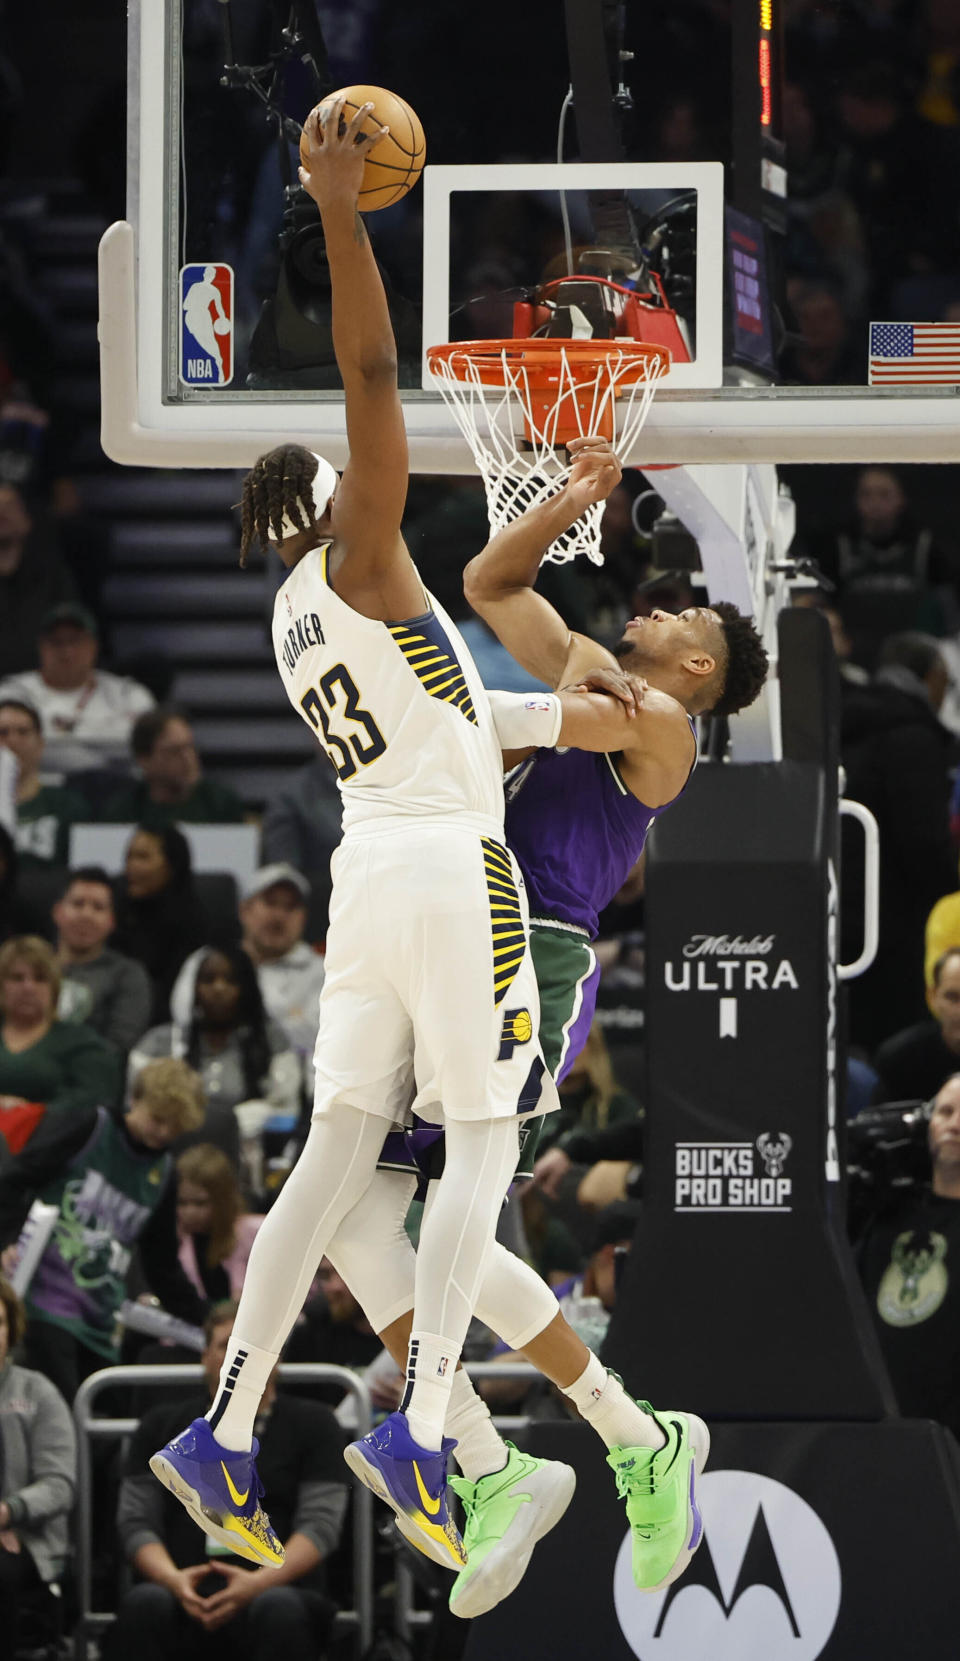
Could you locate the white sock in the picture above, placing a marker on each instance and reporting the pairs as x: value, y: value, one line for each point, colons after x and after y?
x: 243, y: 1379
x: 431, y: 1368
x: 333, y: 1172
x: 600, y: 1398
x: 480, y: 1448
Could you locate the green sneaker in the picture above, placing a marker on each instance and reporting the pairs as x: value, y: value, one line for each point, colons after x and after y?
x: 659, y: 1487
x: 505, y: 1515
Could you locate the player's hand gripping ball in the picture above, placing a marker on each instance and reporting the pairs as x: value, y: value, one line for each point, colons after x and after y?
x: 395, y: 165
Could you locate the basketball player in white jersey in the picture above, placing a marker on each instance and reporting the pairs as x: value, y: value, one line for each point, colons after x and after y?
x: 430, y: 990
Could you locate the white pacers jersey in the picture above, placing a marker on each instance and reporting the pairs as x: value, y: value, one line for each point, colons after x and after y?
x: 399, y: 707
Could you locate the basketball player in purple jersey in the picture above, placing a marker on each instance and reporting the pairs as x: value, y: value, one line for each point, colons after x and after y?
x: 577, y: 823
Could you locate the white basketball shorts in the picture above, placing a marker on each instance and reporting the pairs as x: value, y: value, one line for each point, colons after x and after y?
x: 430, y: 991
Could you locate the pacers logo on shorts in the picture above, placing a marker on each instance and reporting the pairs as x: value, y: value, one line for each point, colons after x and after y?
x: 517, y: 1029
x: 206, y: 325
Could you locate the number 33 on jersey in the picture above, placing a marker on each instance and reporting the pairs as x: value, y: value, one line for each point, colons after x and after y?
x: 398, y: 707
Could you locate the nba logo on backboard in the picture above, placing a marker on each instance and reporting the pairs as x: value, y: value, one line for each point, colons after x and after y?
x: 206, y: 325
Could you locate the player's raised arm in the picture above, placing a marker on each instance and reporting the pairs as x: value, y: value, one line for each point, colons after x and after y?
x: 371, y: 567
x: 647, y: 728
x: 499, y: 582
x: 654, y: 741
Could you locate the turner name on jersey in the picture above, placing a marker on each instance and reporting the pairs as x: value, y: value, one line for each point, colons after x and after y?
x: 398, y: 707
x: 306, y: 631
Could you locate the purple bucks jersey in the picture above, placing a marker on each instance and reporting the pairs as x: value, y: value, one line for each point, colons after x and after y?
x: 577, y: 832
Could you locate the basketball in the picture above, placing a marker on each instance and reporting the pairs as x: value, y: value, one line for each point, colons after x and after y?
x: 395, y: 165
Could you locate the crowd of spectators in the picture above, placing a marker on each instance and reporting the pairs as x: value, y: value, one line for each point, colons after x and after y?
x: 870, y: 114
x: 158, y: 1019
x: 157, y: 1022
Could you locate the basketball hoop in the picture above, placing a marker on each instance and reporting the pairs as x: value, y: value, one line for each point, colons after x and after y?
x: 518, y: 402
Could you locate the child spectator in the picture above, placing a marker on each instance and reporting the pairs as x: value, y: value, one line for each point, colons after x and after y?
x: 214, y: 1231
x: 112, y: 1181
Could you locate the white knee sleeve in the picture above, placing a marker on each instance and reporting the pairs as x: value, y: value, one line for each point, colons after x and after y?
x: 372, y: 1251
x: 513, y: 1301
x: 459, y: 1221
x: 338, y: 1161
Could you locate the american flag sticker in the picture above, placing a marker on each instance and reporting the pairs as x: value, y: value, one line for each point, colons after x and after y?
x: 914, y: 354
x: 206, y: 325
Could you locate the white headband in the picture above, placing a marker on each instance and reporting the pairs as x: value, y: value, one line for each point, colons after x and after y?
x: 323, y: 485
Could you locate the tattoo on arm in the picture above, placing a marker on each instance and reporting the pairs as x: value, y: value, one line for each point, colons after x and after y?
x: 359, y: 229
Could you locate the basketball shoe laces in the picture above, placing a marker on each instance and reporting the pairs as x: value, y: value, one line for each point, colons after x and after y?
x: 637, y: 1482
x: 482, y: 1513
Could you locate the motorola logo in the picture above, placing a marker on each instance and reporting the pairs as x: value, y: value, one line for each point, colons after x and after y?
x: 764, y: 1585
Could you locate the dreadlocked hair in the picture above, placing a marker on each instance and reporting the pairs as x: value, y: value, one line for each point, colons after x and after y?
x: 277, y: 484
x: 746, y: 663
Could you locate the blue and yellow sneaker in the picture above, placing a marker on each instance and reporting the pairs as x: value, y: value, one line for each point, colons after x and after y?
x: 413, y: 1480
x: 221, y: 1490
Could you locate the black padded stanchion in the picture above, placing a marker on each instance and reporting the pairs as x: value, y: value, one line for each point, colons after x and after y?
x: 739, y: 1298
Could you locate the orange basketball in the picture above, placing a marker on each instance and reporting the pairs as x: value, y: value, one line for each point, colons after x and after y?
x: 395, y: 165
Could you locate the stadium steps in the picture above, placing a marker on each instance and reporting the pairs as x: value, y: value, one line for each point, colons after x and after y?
x: 188, y: 643
x: 210, y: 688
x: 136, y: 543
x: 174, y: 591
x: 192, y: 593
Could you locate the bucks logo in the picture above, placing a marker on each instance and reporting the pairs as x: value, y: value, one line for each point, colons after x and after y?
x: 915, y: 1283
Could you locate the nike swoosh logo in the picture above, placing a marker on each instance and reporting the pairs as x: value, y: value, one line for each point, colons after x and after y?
x: 238, y: 1499
x: 678, y: 1427
x: 430, y: 1506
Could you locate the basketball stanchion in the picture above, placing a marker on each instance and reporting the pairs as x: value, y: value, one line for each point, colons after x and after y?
x: 519, y: 402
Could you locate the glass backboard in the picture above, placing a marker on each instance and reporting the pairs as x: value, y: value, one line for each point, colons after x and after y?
x: 773, y: 171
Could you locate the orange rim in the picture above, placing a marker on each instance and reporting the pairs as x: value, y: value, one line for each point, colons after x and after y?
x: 542, y: 358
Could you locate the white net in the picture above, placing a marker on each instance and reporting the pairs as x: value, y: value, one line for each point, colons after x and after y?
x: 516, y: 427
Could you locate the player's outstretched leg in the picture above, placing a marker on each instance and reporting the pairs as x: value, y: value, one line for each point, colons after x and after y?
x: 405, y: 1459
x: 656, y: 1456
x: 211, y: 1466
x: 510, y: 1500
